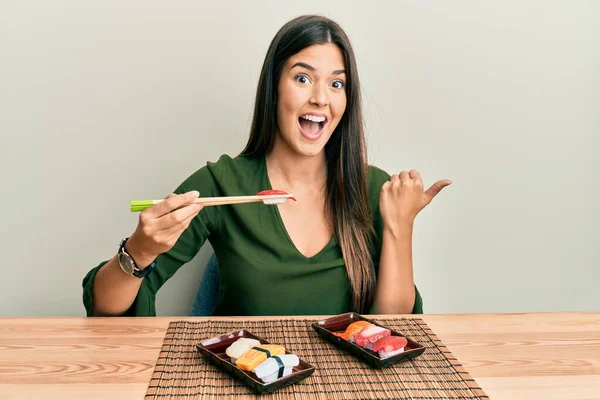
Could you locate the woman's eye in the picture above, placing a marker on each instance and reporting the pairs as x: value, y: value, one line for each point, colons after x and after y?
x: 302, y: 78
x: 338, y: 84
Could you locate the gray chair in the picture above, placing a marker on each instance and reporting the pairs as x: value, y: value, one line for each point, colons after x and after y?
x: 206, y: 297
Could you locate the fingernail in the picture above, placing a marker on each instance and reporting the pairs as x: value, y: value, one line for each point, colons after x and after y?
x: 194, y: 194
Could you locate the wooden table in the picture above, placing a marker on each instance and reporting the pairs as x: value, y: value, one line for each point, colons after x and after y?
x: 511, y: 356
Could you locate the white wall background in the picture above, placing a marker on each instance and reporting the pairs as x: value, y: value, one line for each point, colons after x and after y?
x: 102, y: 102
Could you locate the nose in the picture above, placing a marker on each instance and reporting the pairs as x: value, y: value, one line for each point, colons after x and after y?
x: 319, y: 96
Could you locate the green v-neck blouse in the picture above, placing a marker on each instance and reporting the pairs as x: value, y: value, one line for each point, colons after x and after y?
x: 261, y: 272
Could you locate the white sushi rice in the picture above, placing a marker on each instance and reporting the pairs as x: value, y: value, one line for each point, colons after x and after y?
x: 274, y: 376
x: 270, y: 367
x: 388, y: 354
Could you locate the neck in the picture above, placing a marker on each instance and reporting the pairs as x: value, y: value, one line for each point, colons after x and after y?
x: 292, y: 169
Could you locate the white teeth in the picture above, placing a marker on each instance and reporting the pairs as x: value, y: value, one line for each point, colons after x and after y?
x: 313, y: 118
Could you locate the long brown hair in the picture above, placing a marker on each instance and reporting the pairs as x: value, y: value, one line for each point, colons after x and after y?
x: 346, y: 190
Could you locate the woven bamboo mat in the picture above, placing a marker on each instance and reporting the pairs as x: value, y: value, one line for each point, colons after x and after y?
x: 181, y: 371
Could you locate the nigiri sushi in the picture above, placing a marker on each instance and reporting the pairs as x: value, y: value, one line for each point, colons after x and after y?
x: 390, y: 346
x: 352, y: 330
x: 274, y: 192
x: 276, y: 367
x: 240, y: 346
x: 371, y: 334
x: 256, y: 355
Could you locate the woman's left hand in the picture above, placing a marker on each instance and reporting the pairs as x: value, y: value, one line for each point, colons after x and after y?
x: 403, y: 197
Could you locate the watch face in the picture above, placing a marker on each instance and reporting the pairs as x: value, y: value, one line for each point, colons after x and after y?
x: 126, y: 263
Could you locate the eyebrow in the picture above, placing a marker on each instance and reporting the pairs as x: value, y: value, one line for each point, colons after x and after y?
x: 313, y: 69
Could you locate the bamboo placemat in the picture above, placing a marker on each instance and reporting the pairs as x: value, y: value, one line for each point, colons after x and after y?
x: 181, y: 371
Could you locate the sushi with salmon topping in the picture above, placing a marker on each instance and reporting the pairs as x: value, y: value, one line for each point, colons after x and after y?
x: 352, y: 329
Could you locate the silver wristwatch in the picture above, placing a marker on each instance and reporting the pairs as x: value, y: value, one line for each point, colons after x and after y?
x: 129, y: 266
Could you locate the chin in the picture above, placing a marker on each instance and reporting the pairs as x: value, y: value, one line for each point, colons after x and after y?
x: 314, y: 153
x: 310, y: 149
x: 308, y: 152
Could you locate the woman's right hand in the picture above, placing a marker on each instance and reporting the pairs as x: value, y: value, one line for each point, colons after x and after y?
x: 160, y: 226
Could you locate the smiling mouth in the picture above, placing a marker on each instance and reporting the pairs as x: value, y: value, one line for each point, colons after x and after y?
x: 311, y: 126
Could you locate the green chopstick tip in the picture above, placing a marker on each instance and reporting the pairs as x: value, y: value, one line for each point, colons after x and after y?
x: 140, y: 205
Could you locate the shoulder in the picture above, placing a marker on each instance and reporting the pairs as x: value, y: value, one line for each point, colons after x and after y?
x: 226, y: 162
x: 225, y: 168
x: 376, y: 177
x: 233, y: 167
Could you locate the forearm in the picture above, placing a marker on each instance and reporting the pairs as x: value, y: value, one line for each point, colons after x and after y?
x: 395, y: 282
x: 113, y: 290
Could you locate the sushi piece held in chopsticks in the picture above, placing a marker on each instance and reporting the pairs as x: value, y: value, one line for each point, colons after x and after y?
x: 390, y: 346
x: 275, y: 193
x: 352, y: 330
x: 239, y: 347
x: 266, y: 196
x: 276, y: 367
x: 256, y: 355
x: 368, y: 336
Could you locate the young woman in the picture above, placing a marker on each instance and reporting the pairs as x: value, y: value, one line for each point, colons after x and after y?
x: 346, y: 244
